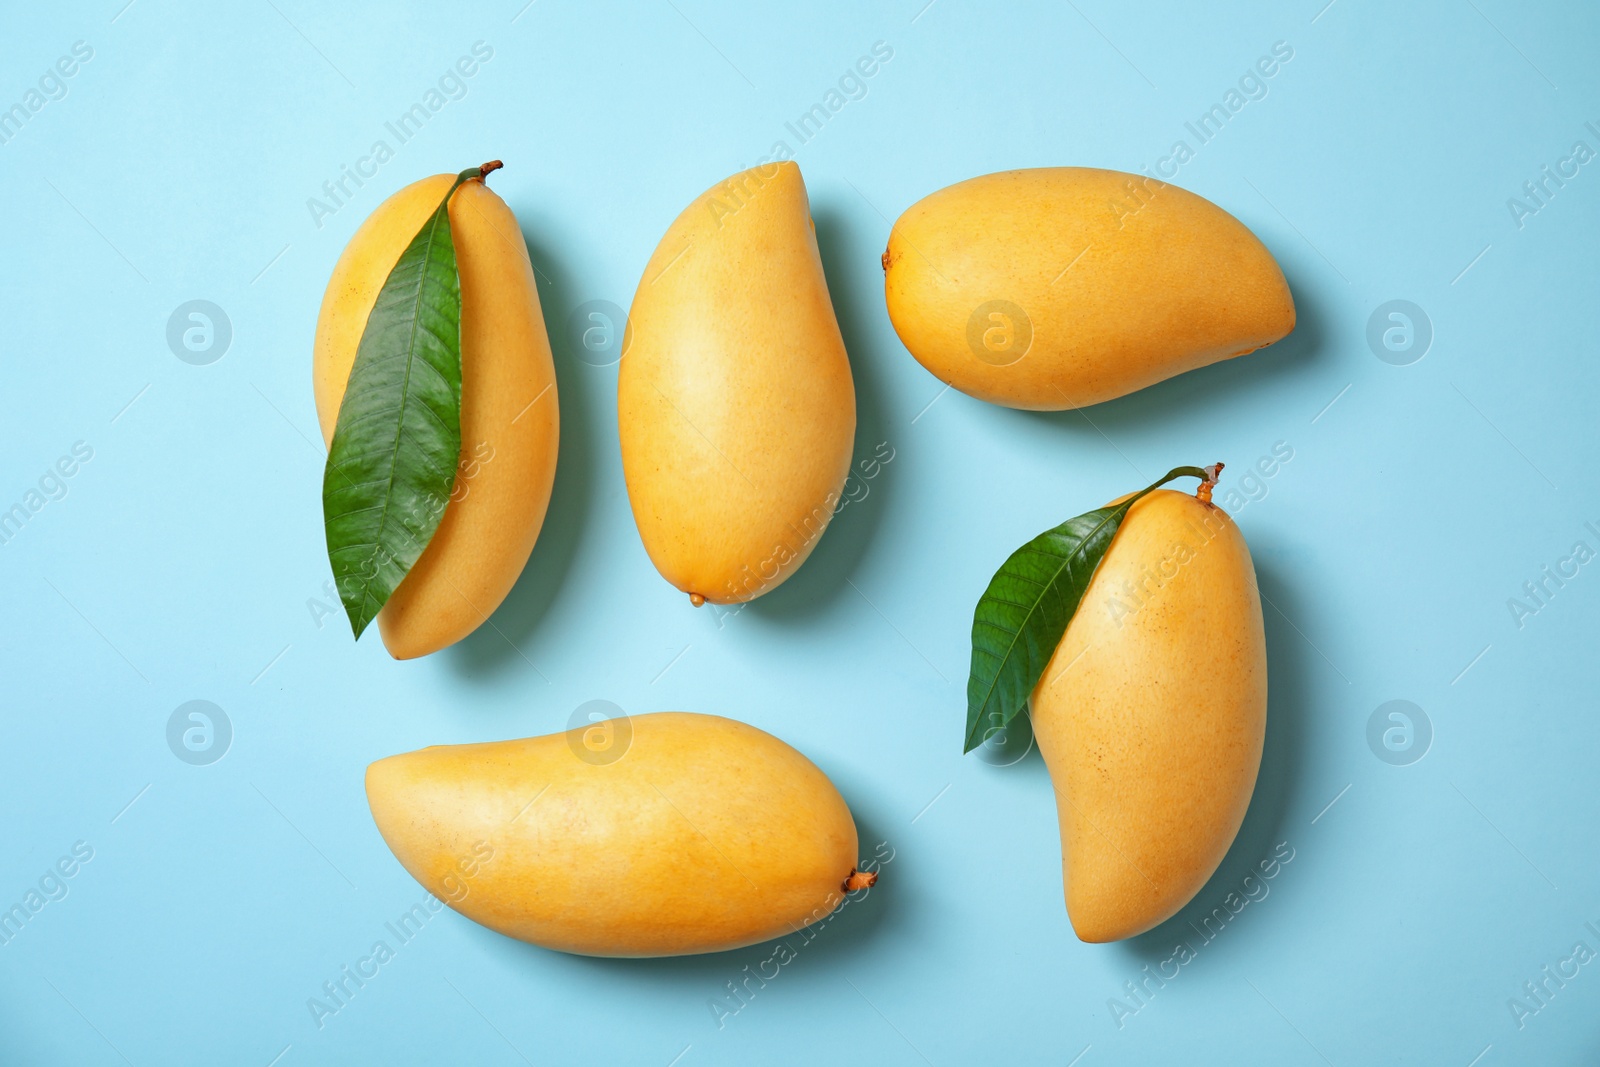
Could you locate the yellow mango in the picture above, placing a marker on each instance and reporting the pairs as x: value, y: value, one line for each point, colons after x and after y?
x: 1063, y: 287
x: 735, y: 404
x: 510, y: 423
x: 1151, y: 716
x: 659, y: 835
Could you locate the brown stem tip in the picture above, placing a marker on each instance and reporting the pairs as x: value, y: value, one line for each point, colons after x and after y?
x: 489, y: 168
x: 697, y: 600
x: 1213, y: 472
x: 860, y: 880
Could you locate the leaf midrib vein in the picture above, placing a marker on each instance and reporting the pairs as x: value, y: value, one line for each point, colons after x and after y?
x: 405, y: 383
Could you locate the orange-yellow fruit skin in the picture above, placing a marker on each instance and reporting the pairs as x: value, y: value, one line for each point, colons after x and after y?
x: 510, y: 422
x: 705, y: 834
x: 1121, y: 279
x: 735, y: 403
x: 1151, y: 716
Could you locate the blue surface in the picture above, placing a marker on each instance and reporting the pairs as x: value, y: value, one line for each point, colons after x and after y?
x: 184, y: 560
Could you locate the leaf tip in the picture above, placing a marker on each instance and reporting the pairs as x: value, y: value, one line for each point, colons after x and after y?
x: 975, y: 734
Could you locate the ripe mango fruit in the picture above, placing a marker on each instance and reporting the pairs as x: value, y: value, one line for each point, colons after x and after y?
x: 510, y: 422
x: 1151, y: 715
x: 735, y: 404
x: 1062, y: 287
x: 656, y: 835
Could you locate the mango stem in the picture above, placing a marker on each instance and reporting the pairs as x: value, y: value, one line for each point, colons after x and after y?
x: 860, y: 880
x: 1213, y: 472
x: 489, y: 168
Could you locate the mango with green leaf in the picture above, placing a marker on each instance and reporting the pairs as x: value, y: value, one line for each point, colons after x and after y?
x: 1133, y: 636
x: 436, y: 393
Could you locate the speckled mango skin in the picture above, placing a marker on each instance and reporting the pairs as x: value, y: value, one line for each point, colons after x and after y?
x: 1125, y: 281
x: 735, y: 403
x: 1151, y: 716
x: 705, y: 834
x: 510, y: 419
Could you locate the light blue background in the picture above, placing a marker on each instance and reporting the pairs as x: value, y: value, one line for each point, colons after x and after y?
x: 180, y: 563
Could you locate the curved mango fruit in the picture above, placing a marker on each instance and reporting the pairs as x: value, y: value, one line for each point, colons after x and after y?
x: 659, y: 835
x: 735, y: 403
x: 1065, y: 286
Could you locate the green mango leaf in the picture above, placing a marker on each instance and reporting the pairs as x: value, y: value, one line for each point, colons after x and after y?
x: 392, y: 464
x: 1032, y: 597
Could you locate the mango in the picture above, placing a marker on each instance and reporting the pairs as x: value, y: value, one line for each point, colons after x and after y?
x: 1151, y: 716
x: 1063, y: 287
x: 735, y: 404
x: 510, y: 422
x: 656, y: 835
